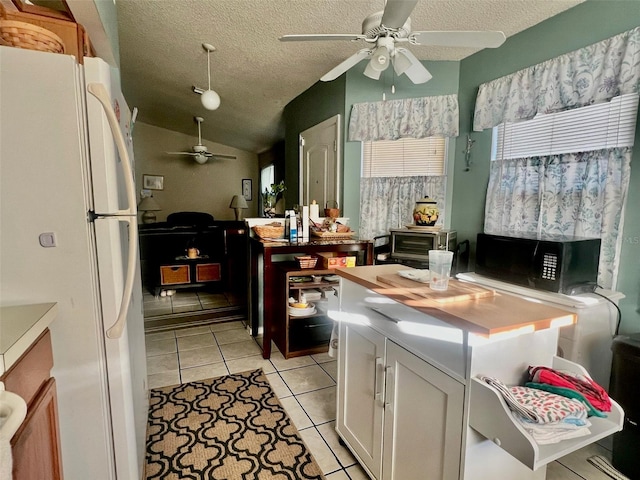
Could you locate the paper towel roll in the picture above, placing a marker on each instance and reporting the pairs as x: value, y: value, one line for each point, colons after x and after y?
x: 314, y: 211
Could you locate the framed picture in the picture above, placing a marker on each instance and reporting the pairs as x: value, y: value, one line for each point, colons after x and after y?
x: 246, y: 188
x: 153, y: 182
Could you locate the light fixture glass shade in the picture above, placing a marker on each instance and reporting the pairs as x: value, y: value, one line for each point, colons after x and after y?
x: 380, y: 59
x: 210, y: 100
x: 371, y: 73
x: 401, y: 63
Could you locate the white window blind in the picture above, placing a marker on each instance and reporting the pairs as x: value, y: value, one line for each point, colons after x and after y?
x: 595, y: 127
x: 406, y: 157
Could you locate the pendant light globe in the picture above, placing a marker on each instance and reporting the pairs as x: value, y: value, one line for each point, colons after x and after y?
x: 210, y: 99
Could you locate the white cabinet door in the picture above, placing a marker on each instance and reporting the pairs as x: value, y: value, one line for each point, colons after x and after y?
x: 361, y: 393
x: 423, y: 420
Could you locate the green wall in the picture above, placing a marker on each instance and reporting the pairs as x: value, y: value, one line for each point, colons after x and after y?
x: 320, y: 102
x: 582, y: 25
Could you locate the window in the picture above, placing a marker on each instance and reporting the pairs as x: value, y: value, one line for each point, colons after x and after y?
x: 595, y: 127
x: 406, y: 157
x: 267, y: 178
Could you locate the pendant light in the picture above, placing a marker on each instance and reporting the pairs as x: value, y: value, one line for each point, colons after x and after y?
x: 210, y: 99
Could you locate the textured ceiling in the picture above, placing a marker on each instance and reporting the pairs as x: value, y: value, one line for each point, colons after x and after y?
x: 255, y: 74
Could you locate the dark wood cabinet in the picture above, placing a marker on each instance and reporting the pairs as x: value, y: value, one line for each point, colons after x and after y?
x: 297, y: 335
x: 265, y: 255
x: 36, y: 444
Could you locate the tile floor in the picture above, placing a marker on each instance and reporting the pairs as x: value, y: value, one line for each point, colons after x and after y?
x: 186, y: 300
x: 306, y: 387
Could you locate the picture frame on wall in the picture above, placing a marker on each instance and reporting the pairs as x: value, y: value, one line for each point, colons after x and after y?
x: 153, y: 182
x: 246, y: 188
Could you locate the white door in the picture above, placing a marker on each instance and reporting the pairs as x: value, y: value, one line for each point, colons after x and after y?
x: 320, y: 164
x: 360, y: 411
x: 423, y: 420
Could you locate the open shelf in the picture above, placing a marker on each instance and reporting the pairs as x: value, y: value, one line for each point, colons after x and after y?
x: 490, y: 416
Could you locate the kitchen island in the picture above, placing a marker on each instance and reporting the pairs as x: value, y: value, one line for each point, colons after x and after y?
x: 409, y: 404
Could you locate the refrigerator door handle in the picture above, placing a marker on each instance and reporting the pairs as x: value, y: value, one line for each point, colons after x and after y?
x: 99, y: 91
x: 129, y: 215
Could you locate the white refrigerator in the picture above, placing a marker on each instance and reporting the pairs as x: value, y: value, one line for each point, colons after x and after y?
x: 68, y: 234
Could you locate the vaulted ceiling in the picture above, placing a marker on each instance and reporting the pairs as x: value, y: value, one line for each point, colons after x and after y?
x: 254, y: 73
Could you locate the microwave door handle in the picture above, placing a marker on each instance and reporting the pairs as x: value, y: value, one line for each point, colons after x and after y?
x: 531, y: 278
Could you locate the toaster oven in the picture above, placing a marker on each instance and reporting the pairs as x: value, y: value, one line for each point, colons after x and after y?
x: 414, y: 244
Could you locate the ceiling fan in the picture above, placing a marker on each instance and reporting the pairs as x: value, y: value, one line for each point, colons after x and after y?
x: 200, y: 153
x: 386, y: 32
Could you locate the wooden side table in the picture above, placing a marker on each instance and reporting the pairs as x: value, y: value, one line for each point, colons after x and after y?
x: 263, y: 280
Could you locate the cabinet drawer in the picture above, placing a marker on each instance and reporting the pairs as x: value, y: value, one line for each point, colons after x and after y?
x: 208, y: 272
x: 309, y: 332
x: 174, y: 274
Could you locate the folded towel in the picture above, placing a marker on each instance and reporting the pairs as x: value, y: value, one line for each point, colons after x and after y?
x: 537, y: 405
x: 548, y: 433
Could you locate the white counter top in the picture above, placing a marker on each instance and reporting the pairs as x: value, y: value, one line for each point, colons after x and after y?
x: 20, y: 326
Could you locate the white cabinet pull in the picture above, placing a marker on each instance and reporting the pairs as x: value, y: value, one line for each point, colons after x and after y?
x: 377, y: 394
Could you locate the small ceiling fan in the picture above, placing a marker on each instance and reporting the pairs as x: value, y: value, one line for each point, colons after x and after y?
x: 200, y: 153
x: 383, y: 30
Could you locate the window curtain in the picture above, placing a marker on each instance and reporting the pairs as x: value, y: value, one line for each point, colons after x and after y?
x: 592, y: 74
x: 388, y: 202
x: 409, y: 117
x: 581, y: 194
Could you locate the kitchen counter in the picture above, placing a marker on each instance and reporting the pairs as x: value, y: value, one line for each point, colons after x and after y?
x: 20, y: 326
x: 487, y: 316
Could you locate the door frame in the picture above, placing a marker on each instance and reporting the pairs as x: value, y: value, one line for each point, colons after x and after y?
x: 336, y: 119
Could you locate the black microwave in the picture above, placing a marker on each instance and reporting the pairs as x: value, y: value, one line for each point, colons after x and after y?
x: 561, y: 264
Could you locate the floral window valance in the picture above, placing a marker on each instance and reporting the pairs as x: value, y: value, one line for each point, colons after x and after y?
x: 410, y: 117
x: 592, y: 74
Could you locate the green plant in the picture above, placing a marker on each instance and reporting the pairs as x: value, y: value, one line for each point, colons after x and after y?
x: 276, y: 189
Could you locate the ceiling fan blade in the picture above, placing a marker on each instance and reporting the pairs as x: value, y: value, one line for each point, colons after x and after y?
x: 339, y: 69
x: 221, y: 156
x: 417, y: 72
x: 321, y: 36
x: 487, y: 39
x: 180, y: 153
x: 396, y: 12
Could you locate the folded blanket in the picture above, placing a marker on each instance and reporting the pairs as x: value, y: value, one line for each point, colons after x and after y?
x: 594, y: 393
x: 569, y: 393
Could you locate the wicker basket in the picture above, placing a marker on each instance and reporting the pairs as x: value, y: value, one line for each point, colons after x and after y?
x: 271, y: 230
x: 25, y: 35
x: 306, y: 261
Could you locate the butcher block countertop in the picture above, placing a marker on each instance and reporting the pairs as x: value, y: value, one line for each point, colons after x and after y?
x: 469, y: 307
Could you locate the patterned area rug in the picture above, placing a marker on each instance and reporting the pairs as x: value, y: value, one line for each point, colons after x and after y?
x: 226, y: 428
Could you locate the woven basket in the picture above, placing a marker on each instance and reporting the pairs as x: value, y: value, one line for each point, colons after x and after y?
x: 273, y: 230
x: 24, y: 35
x: 306, y: 261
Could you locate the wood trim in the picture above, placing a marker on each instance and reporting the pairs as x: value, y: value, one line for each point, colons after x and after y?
x: 44, y: 11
